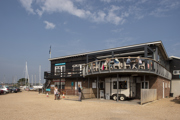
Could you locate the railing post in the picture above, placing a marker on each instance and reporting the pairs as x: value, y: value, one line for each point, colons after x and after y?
x: 109, y: 65
x: 99, y: 66
x: 87, y: 69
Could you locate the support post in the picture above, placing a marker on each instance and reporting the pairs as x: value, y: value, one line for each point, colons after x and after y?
x: 88, y: 82
x: 144, y: 81
x: 117, y: 86
x: 112, y: 54
x: 145, y: 55
x: 97, y: 87
x: 87, y: 57
x: 60, y: 84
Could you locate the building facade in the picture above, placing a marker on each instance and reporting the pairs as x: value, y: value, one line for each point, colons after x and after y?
x: 119, y: 72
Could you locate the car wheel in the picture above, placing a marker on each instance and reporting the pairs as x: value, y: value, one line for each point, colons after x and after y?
x: 122, y: 98
x: 115, y: 97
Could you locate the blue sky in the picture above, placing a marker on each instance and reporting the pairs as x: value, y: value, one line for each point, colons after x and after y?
x: 29, y: 27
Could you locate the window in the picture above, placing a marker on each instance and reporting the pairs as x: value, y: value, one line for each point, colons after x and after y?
x: 146, y: 85
x: 77, y: 68
x: 176, y: 72
x: 59, y: 70
x: 123, y: 85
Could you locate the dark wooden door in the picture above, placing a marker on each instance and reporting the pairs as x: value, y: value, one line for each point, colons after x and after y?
x: 138, y: 90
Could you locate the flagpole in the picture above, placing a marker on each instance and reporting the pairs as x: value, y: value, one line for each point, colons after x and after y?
x: 50, y: 52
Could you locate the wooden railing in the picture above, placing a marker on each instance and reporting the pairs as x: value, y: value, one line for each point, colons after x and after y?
x: 120, y: 64
x: 67, y: 73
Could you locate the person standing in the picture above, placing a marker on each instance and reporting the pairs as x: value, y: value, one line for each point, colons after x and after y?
x: 79, y: 92
x: 55, y: 92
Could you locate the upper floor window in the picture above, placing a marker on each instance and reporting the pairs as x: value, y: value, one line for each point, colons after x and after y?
x: 77, y: 67
x: 59, y: 69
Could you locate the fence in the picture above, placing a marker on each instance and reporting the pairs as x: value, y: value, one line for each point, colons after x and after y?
x: 89, y: 93
x: 148, y: 95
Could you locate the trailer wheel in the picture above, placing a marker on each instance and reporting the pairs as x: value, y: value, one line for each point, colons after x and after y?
x: 115, y: 97
x: 122, y: 98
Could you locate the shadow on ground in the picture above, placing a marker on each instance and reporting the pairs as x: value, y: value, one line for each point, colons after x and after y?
x: 176, y: 101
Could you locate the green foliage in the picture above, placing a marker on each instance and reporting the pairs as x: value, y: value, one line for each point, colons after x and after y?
x: 22, y: 81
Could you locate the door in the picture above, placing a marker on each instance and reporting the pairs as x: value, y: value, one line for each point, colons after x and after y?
x: 138, y: 90
x: 79, y: 83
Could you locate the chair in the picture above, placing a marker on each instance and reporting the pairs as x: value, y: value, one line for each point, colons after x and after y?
x: 119, y: 65
x: 127, y: 65
x: 96, y: 67
x: 143, y: 65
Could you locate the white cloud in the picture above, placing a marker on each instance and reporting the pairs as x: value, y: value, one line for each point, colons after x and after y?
x: 49, y: 25
x: 27, y: 5
x: 110, y: 12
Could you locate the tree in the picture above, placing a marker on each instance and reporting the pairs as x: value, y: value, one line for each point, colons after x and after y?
x: 22, y: 81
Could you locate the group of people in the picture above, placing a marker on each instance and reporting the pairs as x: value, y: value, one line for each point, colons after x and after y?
x: 56, y: 92
x: 137, y: 62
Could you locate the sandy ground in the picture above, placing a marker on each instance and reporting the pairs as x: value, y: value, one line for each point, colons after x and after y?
x: 33, y: 106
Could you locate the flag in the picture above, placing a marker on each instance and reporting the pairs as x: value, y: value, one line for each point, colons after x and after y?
x: 50, y: 50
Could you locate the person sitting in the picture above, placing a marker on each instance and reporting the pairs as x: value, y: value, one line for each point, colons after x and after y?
x: 138, y: 61
x: 116, y: 61
x: 128, y: 62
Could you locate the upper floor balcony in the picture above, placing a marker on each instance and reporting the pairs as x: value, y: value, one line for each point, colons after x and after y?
x: 124, y: 65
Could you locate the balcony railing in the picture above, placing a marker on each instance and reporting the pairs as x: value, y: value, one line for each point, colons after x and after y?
x: 114, y: 65
x: 67, y: 73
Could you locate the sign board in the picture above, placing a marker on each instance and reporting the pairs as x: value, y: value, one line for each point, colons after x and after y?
x: 72, y: 83
x: 48, y: 89
x: 58, y: 64
x: 93, y: 85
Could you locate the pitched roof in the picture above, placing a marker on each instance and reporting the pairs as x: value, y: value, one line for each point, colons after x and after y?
x: 157, y: 43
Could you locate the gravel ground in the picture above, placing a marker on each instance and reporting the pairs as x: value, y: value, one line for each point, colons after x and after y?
x: 33, y: 106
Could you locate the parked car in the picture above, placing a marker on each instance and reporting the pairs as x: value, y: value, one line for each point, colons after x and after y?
x: 13, y: 89
x: 1, y: 92
x: 18, y: 89
x: 5, y: 89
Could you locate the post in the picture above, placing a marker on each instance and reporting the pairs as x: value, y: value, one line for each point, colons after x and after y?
x: 87, y: 57
x: 112, y: 54
x: 144, y: 81
x: 145, y: 55
x: 117, y: 86
x: 60, y: 84
x: 97, y: 87
x: 88, y: 82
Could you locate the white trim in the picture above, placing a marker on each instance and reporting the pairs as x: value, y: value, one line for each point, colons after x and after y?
x: 171, y: 57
